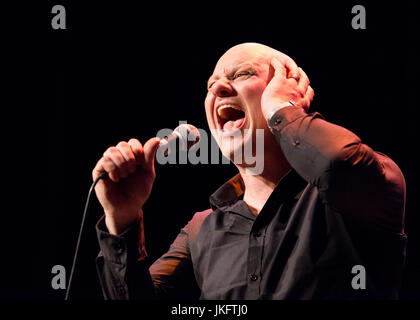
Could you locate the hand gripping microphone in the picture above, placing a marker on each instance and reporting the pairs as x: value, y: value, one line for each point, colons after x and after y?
x: 186, y: 134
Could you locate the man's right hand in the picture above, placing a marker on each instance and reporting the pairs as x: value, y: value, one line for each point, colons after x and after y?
x: 131, y: 171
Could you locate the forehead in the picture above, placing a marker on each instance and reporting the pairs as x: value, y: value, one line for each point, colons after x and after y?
x: 239, y: 56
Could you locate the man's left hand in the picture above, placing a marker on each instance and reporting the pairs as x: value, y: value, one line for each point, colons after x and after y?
x: 285, y: 86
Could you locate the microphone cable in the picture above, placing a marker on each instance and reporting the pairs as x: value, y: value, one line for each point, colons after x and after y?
x: 102, y: 175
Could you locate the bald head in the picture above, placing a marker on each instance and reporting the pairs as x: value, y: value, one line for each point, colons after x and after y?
x: 251, y: 50
x: 235, y: 90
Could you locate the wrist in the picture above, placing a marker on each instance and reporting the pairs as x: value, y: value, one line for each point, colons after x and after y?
x: 272, y: 116
x: 116, y: 225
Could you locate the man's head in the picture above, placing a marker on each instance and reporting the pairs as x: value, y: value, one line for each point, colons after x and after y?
x: 233, y: 102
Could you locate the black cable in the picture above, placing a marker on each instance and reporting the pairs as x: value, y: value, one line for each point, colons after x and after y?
x: 102, y: 175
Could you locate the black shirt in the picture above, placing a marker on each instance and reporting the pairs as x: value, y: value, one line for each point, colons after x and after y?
x: 340, y: 207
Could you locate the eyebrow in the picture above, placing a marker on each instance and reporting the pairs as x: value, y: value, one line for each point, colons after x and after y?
x: 231, y: 71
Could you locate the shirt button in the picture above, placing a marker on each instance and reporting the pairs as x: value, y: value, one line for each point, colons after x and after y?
x: 118, y: 246
x: 253, y: 277
x: 121, y: 290
x: 277, y: 121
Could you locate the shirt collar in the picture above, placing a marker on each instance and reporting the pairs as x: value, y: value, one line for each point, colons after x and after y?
x: 228, y: 193
x: 226, y: 197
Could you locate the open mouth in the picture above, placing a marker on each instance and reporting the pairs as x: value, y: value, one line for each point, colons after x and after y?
x: 230, y: 117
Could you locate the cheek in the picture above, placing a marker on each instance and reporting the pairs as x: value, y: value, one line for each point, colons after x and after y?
x: 253, y: 95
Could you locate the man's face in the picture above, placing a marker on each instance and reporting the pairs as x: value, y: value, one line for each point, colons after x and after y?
x: 233, y: 101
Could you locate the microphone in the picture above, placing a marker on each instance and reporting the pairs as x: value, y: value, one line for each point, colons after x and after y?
x: 187, y: 135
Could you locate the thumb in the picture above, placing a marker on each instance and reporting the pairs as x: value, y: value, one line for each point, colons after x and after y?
x: 150, y: 148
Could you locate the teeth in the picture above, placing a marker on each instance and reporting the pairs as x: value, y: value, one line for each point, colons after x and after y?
x: 225, y: 106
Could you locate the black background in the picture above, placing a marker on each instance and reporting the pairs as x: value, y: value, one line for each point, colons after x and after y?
x: 121, y: 70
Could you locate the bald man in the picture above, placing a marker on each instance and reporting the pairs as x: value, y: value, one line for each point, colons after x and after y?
x: 324, y: 219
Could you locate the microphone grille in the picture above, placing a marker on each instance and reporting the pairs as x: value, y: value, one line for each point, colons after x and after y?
x: 188, y: 134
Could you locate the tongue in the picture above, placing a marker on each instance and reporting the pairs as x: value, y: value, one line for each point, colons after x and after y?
x: 233, y: 124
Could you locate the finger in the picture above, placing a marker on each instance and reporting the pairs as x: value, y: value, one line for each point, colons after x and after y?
x: 308, y: 98
x: 292, y: 69
x: 279, y: 69
x: 137, y: 149
x: 117, y: 158
x: 303, y: 83
x: 128, y: 155
x: 310, y: 93
x: 97, y: 170
x: 106, y: 164
x: 111, y: 168
x: 150, y: 148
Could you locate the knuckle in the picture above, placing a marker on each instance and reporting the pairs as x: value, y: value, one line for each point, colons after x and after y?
x: 105, y: 159
x: 107, y: 151
x: 116, y: 156
x: 124, y: 149
x: 108, y: 164
x: 115, y: 151
x: 111, y: 151
x: 122, y: 144
x: 135, y: 144
x: 133, y: 141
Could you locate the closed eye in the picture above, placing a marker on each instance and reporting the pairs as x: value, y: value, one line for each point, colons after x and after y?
x: 235, y: 76
x: 244, y: 74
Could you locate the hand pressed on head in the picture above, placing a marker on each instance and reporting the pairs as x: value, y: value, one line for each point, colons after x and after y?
x: 289, y: 83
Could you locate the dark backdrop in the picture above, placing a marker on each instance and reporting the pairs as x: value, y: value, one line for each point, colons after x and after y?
x: 124, y: 70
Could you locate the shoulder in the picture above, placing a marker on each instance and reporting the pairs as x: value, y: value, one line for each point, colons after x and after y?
x: 394, y: 189
x: 194, y: 225
x: 391, y: 172
x: 384, y: 195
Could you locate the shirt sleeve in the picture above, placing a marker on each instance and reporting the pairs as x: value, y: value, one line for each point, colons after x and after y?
x: 124, y: 273
x: 366, y: 186
x: 122, y: 266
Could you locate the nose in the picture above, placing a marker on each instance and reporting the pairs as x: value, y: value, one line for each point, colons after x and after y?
x: 222, y: 88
